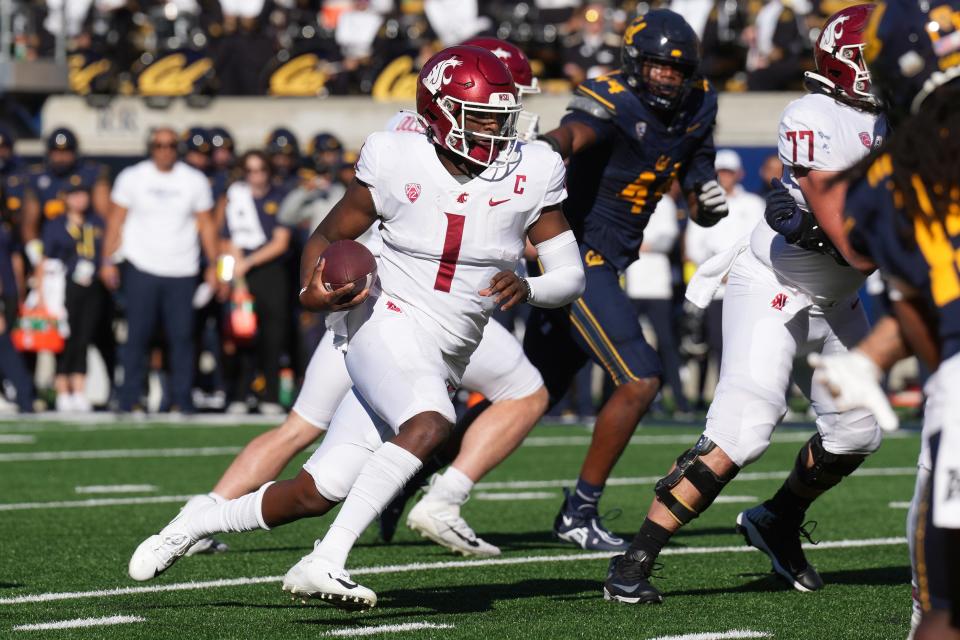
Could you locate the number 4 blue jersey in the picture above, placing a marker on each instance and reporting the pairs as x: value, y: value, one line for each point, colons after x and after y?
x: 923, y: 254
x: 615, y: 185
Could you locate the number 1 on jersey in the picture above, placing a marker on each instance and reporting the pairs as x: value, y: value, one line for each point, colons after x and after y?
x: 451, y: 251
x: 800, y: 135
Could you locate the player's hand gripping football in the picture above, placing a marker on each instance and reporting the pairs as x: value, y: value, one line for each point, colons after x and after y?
x: 509, y: 289
x: 854, y: 382
x: 315, y: 296
x: 782, y: 213
x: 712, y: 204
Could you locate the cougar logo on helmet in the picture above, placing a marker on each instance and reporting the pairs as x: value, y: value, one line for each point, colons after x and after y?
x: 438, y: 75
x: 832, y: 33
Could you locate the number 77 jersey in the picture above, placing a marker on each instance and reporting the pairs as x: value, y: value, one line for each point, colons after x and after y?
x: 820, y: 133
x: 442, y: 239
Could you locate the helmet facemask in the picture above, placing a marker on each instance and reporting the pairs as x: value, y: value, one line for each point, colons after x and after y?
x: 480, y: 147
x: 662, y: 96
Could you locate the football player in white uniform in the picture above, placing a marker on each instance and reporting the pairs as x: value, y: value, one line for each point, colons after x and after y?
x: 498, y: 369
x: 785, y: 296
x: 454, y: 208
x: 898, y: 214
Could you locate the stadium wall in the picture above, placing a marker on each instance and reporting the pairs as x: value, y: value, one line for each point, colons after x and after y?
x: 746, y: 121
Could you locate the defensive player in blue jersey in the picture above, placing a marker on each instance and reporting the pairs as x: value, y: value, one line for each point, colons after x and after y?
x: 903, y: 213
x: 48, y: 183
x: 629, y: 134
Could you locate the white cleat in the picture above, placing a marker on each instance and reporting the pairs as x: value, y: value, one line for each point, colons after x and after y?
x: 157, y: 553
x: 313, y: 577
x: 440, y: 521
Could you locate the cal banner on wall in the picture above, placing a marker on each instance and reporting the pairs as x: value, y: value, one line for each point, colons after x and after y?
x: 176, y: 73
x: 90, y: 72
x: 398, y: 79
x: 306, y: 71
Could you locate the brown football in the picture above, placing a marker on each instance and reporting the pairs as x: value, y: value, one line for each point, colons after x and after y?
x: 347, y: 261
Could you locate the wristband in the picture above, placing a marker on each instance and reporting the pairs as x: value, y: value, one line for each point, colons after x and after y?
x: 526, y: 287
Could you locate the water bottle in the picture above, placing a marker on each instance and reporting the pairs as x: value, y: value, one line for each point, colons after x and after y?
x: 286, y: 387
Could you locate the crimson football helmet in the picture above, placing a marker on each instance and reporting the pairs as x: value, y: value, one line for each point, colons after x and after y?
x: 465, y: 81
x: 515, y: 59
x: 841, y: 68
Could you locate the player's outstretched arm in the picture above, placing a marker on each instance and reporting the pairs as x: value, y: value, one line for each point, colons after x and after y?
x: 569, y: 138
x: 563, y: 279
x: 825, y: 197
x: 348, y: 219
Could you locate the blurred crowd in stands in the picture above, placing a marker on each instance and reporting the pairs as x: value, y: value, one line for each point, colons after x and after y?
x: 320, y: 47
x: 196, y: 309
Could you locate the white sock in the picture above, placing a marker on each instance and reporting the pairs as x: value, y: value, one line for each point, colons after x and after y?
x: 219, y: 499
x: 242, y: 514
x: 452, y: 486
x: 380, y: 480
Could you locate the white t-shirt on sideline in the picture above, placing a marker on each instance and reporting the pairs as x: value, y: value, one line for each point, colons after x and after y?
x: 160, y: 234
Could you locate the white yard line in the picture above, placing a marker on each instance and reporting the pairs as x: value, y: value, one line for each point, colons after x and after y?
x: 783, y: 437
x: 16, y: 438
x: 385, y: 628
x: 104, y: 454
x: 79, y: 622
x: 552, y: 495
x: 482, y: 487
x: 718, y: 635
x: 899, y: 505
x: 187, y: 452
x: 92, y: 502
x: 642, y: 480
x: 428, y: 566
x: 516, y: 495
x: 117, y: 488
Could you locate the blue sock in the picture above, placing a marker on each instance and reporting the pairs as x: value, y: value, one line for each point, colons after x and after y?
x: 585, y: 496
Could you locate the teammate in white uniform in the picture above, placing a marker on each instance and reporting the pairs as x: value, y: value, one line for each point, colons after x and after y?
x: 782, y: 299
x: 498, y: 370
x: 454, y: 208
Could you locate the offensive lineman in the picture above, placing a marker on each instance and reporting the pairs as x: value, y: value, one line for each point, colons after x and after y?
x: 628, y: 135
x: 784, y: 296
x: 900, y: 215
x: 447, y: 261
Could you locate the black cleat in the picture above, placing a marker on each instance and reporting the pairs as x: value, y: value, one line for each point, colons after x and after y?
x: 779, y: 538
x: 628, y: 579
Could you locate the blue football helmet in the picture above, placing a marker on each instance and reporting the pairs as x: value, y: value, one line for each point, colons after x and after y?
x: 660, y: 37
x: 912, y: 48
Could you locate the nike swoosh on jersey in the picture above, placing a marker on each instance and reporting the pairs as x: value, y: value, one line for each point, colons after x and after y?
x: 494, y: 203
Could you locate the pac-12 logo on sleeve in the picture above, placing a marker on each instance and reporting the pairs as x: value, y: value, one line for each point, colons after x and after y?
x: 412, y: 189
x: 866, y: 140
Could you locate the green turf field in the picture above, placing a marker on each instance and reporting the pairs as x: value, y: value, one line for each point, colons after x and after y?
x: 69, y: 562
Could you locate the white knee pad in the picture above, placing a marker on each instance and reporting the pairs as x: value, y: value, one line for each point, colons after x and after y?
x: 337, y: 469
x: 850, y: 432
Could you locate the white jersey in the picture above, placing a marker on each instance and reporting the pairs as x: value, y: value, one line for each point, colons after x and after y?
x: 819, y: 133
x: 701, y: 244
x: 443, y: 240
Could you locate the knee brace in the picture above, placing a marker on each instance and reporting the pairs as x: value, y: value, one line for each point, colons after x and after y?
x: 702, y: 477
x: 828, y: 468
